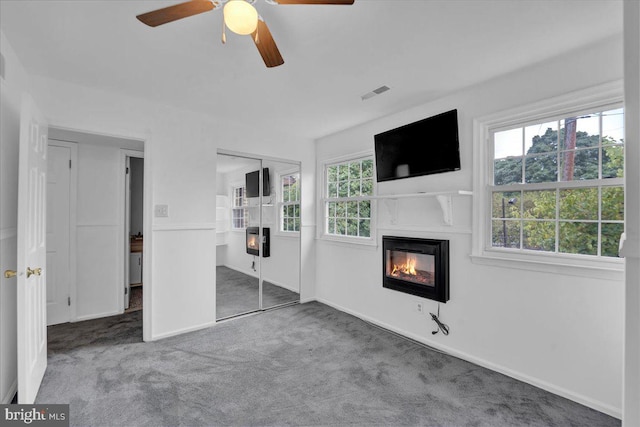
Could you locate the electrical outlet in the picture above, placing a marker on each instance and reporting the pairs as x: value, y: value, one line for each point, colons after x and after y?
x: 419, y: 307
x: 161, y: 211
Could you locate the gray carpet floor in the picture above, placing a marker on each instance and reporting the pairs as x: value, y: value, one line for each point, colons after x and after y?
x: 237, y: 293
x: 305, y: 364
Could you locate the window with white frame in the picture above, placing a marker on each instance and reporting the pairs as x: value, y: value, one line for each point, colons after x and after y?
x: 348, y: 205
x: 290, y: 202
x: 238, y: 209
x: 558, y: 184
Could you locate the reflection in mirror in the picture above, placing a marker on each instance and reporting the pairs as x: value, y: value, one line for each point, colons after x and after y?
x: 281, y: 217
x: 237, y: 272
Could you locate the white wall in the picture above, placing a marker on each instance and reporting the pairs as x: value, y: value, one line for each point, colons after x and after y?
x: 560, y: 332
x: 180, y: 159
x: 137, y: 192
x: 12, y: 87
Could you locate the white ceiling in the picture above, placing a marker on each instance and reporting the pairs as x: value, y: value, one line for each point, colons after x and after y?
x: 421, y: 49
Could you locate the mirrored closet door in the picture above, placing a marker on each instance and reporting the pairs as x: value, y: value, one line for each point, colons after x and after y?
x: 281, y: 216
x: 257, y: 200
x: 237, y: 272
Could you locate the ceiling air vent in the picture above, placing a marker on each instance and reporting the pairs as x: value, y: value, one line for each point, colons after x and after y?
x: 374, y: 92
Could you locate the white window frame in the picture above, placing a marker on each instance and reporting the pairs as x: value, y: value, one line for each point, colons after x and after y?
x: 600, y: 97
x: 242, y: 208
x: 281, y: 203
x: 323, y: 188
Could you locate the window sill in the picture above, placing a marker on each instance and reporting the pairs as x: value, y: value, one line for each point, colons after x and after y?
x: 356, y: 241
x: 556, y: 264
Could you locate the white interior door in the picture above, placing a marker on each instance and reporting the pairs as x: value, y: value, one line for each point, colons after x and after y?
x: 58, y: 234
x: 32, y: 252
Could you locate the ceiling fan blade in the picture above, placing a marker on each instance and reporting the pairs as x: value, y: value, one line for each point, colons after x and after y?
x: 175, y: 12
x: 266, y: 45
x: 345, y: 2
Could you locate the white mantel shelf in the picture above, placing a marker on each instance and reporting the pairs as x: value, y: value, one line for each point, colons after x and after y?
x: 443, y: 197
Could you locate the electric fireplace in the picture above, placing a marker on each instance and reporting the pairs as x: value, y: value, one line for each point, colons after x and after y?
x: 253, y: 237
x: 416, y: 266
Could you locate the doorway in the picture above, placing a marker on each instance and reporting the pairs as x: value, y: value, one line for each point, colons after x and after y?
x: 258, y: 234
x: 93, y: 222
x: 134, y: 237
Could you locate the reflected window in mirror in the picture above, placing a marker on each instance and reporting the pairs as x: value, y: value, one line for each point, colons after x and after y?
x: 238, y: 210
x: 289, y: 202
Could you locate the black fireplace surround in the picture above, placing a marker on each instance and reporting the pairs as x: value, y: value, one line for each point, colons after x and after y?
x: 416, y: 266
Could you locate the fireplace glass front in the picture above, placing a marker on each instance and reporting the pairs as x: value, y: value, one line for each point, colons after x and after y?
x: 253, y: 239
x: 416, y: 266
x: 412, y: 267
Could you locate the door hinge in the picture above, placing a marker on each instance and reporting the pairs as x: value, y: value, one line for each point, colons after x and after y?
x: 127, y: 171
x: 69, y: 301
x: 126, y: 291
x: 69, y: 163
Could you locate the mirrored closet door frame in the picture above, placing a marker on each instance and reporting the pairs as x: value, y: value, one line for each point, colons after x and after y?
x: 294, y: 165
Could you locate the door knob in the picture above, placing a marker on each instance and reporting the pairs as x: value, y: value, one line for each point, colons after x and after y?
x: 8, y: 274
x: 36, y: 271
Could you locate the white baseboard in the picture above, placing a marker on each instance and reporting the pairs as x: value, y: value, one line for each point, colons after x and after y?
x: 8, y: 397
x: 182, y: 331
x: 583, y: 400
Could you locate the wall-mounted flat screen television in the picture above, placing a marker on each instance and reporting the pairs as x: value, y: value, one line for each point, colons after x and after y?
x: 422, y: 148
x: 252, y: 183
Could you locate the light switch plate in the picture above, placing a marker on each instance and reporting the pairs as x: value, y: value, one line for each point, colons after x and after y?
x: 161, y: 211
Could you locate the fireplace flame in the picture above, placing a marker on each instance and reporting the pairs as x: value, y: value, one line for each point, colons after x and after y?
x: 409, y: 267
x: 253, y: 242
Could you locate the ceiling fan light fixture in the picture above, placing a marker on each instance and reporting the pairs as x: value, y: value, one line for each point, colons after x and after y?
x: 240, y: 16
